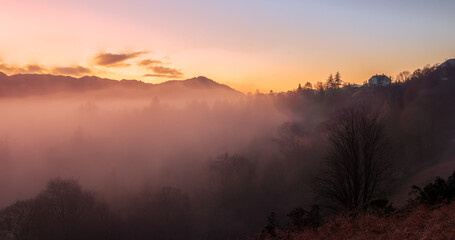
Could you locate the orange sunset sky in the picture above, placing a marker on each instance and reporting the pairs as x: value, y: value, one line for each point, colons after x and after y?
x: 249, y: 45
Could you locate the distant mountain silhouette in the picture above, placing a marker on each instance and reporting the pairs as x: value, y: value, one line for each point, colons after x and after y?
x: 197, y: 82
x: 2, y: 75
x: 21, y: 85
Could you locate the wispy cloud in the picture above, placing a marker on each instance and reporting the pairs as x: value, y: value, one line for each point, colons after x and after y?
x: 154, y: 67
x: 114, y: 60
x: 7, y: 68
x: 165, y: 72
x: 148, y: 62
x: 34, y: 68
x: 74, y: 70
x: 158, y: 75
x: 14, y: 69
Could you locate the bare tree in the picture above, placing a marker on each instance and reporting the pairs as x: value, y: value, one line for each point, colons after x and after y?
x: 320, y: 87
x: 62, y: 211
x: 308, y: 86
x: 403, y: 76
x: 357, y: 160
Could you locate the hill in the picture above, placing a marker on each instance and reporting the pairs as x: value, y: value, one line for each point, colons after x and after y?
x: 22, y: 85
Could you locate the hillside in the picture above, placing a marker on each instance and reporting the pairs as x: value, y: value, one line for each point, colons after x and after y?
x: 421, y: 223
x: 22, y: 85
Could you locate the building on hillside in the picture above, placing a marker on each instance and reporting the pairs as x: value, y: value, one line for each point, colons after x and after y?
x: 379, y: 80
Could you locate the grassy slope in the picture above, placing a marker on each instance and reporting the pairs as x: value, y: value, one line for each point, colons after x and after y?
x: 420, y: 223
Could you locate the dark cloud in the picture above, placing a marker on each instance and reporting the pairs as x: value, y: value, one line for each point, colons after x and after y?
x: 113, y: 60
x: 160, y: 71
x: 148, y: 62
x: 74, y: 70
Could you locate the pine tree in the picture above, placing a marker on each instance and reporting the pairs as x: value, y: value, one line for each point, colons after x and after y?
x: 330, y: 82
x: 337, y: 81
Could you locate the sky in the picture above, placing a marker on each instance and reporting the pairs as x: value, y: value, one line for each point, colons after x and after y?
x: 247, y: 44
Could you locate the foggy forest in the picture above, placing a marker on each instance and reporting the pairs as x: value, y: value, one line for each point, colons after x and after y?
x: 93, y: 158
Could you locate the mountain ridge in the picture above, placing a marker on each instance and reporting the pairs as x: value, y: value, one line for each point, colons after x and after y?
x: 42, y: 84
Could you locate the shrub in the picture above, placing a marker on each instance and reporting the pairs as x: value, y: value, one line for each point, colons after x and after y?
x: 436, y: 192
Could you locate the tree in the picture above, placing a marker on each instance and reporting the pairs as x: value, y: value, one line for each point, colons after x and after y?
x: 436, y: 192
x: 320, y: 87
x: 330, y: 82
x: 357, y: 161
x: 157, y: 215
x: 300, y: 218
x: 272, y: 225
x: 231, y: 177
x: 308, y: 86
x: 13, y: 219
x: 337, y: 80
x: 62, y: 211
x: 402, y: 76
x: 234, y: 194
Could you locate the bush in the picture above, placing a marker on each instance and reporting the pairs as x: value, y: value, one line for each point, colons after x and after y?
x: 436, y: 192
x: 300, y: 218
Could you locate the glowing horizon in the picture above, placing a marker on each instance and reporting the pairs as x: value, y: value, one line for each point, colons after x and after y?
x: 264, y: 45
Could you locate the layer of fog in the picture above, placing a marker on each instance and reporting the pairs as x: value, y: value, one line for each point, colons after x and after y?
x: 116, y: 147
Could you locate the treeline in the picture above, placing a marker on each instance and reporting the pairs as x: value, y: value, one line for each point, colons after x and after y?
x: 62, y: 211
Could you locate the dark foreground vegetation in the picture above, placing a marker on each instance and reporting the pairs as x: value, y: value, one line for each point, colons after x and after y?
x: 429, y: 214
x: 345, y: 152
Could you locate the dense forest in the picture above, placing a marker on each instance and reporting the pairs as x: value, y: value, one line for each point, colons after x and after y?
x: 269, y: 164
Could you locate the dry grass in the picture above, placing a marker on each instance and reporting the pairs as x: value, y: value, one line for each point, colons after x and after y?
x: 421, y: 223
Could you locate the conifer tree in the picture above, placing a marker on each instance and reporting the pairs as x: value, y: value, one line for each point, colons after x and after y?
x: 330, y: 82
x: 337, y: 81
